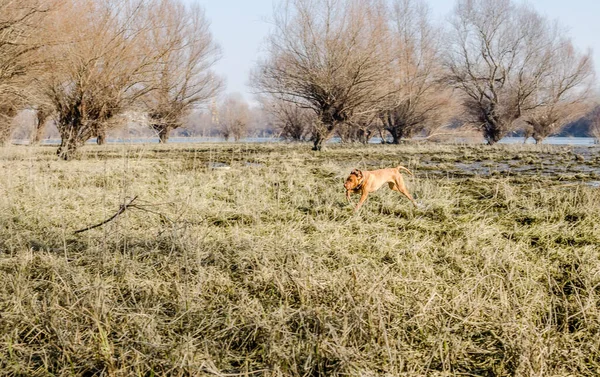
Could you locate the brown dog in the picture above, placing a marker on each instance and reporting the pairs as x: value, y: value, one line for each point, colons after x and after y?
x: 365, y: 182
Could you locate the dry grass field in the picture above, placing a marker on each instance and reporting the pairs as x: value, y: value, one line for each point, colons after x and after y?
x: 262, y: 269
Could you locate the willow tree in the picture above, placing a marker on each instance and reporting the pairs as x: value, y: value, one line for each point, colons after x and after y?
x: 421, y: 100
x: 565, y: 93
x: 290, y: 121
x: 233, y: 117
x: 328, y: 56
x: 593, y: 119
x: 184, y: 79
x: 360, y: 128
x: 498, y: 54
x: 99, y: 68
x: 21, y: 37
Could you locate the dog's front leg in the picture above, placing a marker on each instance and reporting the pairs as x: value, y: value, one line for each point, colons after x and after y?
x: 363, y: 197
x: 348, y: 195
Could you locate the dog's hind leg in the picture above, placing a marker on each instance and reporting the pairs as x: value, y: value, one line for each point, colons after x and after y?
x: 400, y: 187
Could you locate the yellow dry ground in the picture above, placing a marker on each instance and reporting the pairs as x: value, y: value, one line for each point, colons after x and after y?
x: 262, y: 269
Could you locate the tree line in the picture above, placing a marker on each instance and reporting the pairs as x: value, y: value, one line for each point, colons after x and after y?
x: 348, y: 68
x: 496, y: 65
x: 91, y: 64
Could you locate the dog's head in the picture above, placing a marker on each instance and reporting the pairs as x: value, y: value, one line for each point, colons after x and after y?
x: 354, y: 180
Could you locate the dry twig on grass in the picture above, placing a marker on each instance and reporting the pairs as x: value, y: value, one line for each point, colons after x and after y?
x: 120, y: 211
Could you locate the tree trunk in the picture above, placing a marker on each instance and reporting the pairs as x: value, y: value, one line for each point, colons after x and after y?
x: 492, y: 133
x: 318, y: 142
x: 365, y: 136
x: 396, y: 135
x: 67, y: 148
x: 320, y: 138
x: 38, y: 134
x: 101, y: 137
x: 40, y: 127
x: 72, y: 136
x: 539, y: 137
x: 494, y: 128
x: 542, y: 131
x: 382, y: 136
x: 163, y: 134
x: 321, y: 135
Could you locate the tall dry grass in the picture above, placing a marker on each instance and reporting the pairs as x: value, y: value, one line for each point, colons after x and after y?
x: 263, y: 270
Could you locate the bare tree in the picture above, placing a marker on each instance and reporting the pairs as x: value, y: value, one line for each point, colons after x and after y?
x: 233, y: 117
x: 593, y: 119
x: 184, y: 78
x: 21, y: 25
x: 260, y: 124
x: 40, y: 103
x: 421, y: 99
x: 328, y: 56
x: 563, y: 93
x: 498, y: 55
x: 359, y: 129
x: 100, y: 69
x: 291, y: 121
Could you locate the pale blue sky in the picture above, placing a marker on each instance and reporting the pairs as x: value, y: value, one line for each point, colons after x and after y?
x: 240, y: 27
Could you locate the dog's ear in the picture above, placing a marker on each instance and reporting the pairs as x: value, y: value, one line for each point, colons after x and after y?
x: 357, y: 173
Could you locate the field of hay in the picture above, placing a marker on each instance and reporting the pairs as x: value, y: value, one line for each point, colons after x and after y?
x: 262, y: 269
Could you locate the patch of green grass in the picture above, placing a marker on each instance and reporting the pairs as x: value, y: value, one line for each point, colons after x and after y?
x: 263, y: 269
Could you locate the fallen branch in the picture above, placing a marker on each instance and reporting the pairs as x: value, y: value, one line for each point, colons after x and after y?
x: 120, y: 211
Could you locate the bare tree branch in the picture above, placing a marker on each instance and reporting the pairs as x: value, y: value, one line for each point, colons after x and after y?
x: 122, y: 209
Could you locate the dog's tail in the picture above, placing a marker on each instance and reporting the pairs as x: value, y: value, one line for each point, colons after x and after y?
x: 400, y: 168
